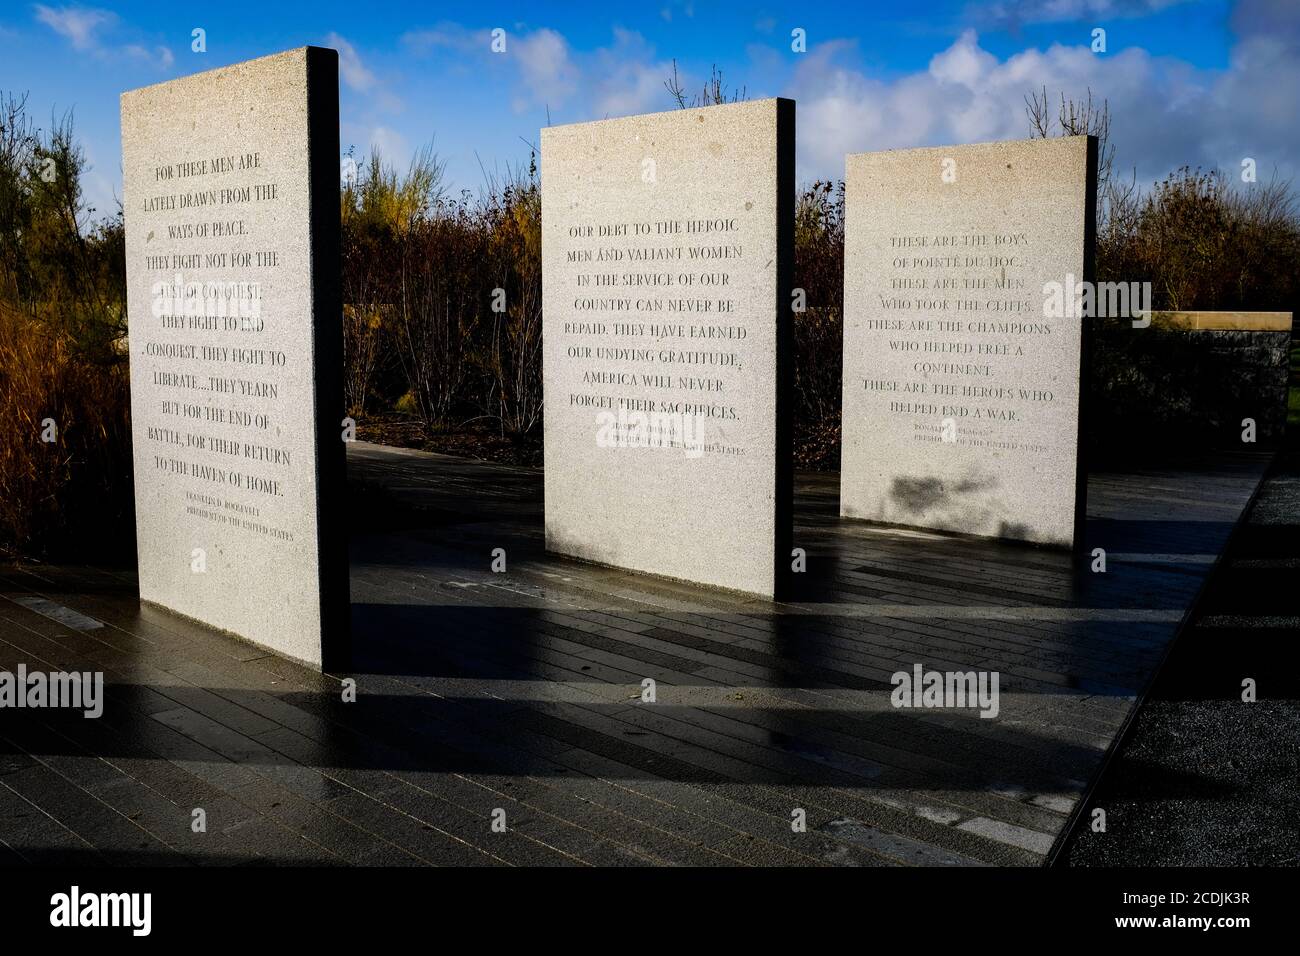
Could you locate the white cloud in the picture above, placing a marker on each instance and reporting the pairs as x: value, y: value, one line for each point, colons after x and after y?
x: 614, y: 80
x: 1164, y: 112
x: 78, y: 24
x: 83, y: 28
x: 366, y: 138
x: 546, y: 68
x: 353, y: 71
x: 1014, y: 12
x: 359, y: 78
x: 686, y: 6
x: 160, y: 55
x: 448, y: 36
x: 627, y: 77
x: 389, y: 143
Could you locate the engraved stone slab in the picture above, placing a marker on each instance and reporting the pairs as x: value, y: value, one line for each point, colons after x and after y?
x: 231, y: 199
x: 667, y: 252
x: 961, y: 403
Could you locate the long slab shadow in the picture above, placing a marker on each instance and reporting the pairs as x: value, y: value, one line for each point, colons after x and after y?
x: 419, y: 732
x: 807, y: 651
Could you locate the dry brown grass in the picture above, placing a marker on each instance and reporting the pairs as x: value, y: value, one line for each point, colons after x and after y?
x: 420, y: 269
x: 71, y: 497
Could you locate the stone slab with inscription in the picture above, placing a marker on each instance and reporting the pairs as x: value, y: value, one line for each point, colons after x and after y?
x: 961, y: 406
x: 667, y: 244
x: 231, y: 200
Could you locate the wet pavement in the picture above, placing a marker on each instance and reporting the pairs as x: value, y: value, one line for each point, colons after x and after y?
x: 505, y: 718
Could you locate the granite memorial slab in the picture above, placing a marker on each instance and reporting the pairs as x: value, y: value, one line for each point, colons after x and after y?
x: 667, y: 251
x: 963, y: 342
x: 231, y: 200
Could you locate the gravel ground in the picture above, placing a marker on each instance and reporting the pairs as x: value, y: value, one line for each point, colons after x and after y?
x: 1204, y: 778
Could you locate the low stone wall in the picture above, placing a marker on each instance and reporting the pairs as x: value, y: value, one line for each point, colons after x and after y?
x: 1186, y: 382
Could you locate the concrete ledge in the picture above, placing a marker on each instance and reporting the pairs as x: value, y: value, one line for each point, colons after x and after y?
x: 1223, y: 321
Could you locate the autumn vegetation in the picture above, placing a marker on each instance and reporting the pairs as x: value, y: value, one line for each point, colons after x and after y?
x: 434, y: 356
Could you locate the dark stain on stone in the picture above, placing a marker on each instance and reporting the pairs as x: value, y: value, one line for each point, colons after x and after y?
x: 918, y: 495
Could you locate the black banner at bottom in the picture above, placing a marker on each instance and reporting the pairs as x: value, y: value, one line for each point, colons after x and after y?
x: 335, y: 906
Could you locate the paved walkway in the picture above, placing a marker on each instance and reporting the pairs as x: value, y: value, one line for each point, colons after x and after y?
x: 520, y: 692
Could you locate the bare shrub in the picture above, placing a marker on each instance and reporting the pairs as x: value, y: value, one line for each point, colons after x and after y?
x: 819, y: 330
x: 514, y: 213
x: 1201, y: 240
x: 1075, y: 118
x: 714, y: 92
x: 1204, y: 244
x: 441, y: 297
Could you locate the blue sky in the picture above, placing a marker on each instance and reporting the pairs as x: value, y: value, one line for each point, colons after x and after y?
x: 1202, y: 83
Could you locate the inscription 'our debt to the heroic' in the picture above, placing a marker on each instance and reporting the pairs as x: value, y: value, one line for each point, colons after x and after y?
x: 651, y: 324
x: 664, y: 243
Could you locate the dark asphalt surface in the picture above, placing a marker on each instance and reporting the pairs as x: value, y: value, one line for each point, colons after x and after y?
x: 1203, y: 778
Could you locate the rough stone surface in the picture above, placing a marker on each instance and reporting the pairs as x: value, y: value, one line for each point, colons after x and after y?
x: 227, y: 200
x: 1174, y: 389
x: 666, y: 250
x: 961, y: 393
